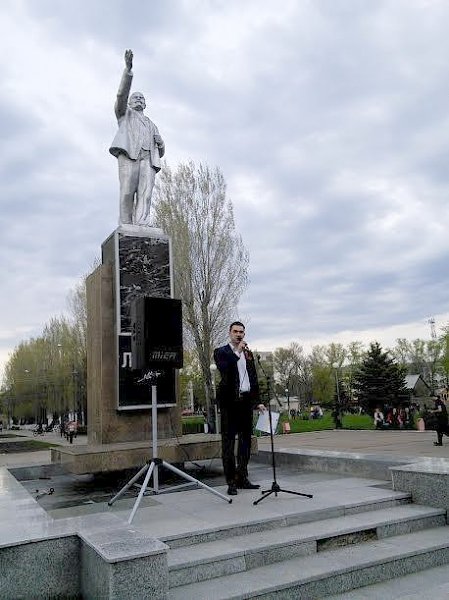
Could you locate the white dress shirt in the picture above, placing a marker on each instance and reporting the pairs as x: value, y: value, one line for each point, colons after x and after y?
x: 244, y: 385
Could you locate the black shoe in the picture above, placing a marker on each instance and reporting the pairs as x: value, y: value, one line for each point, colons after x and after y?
x: 247, y: 485
x: 232, y: 490
x: 437, y: 443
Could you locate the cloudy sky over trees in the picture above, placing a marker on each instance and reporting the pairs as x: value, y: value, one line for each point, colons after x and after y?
x: 329, y: 121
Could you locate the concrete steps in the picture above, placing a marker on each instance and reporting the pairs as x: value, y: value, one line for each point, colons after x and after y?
x: 432, y: 583
x: 313, y: 558
x: 326, y: 573
x: 287, y: 519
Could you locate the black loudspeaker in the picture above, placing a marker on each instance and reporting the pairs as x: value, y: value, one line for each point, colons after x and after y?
x: 156, y: 333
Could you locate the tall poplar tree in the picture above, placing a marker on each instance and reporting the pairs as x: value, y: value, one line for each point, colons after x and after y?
x: 210, y: 260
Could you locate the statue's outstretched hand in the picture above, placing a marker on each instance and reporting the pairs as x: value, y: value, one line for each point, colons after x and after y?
x: 129, y: 59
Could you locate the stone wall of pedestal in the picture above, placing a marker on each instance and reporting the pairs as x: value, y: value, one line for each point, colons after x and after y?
x: 106, y: 424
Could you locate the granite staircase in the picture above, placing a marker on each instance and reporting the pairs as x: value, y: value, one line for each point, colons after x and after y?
x: 312, y: 554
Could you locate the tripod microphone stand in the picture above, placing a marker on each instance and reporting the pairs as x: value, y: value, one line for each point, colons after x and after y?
x: 151, y: 468
x: 275, y: 487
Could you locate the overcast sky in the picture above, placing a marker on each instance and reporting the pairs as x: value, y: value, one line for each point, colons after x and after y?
x: 328, y: 118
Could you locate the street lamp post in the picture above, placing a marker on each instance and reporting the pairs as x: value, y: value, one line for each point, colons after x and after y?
x: 213, y: 371
x: 34, y: 401
x: 287, y: 392
x: 337, y: 410
x: 191, y: 398
x: 63, y: 405
x: 75, y: 395
x: 10, y: 407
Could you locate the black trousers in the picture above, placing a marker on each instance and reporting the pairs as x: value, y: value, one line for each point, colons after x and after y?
x: 440, y: 429
x: 236, y: 420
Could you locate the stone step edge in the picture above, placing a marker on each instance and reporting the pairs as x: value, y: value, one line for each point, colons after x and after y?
x: 294, y: 536
x: 425, y: 582
x: 247, y: 559
x: 236, y: 529
x: 379, y: 557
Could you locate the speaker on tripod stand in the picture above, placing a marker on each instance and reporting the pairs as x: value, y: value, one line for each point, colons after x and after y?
x: 156, y: 346
x: 156, y: 339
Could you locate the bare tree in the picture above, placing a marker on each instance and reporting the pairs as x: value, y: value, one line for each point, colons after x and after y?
x: 77, y: 304
x: 210, y: 260
x: 444, y: 339
x: 423, y: 357
x: 335, y: 354
x: 354, y: 358
x: 290, y: 365
x: 48, y: 373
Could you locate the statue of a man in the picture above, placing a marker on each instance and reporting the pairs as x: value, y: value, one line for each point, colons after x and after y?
x: 138, y: 148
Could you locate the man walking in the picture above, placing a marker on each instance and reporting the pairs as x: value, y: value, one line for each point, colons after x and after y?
x: 138, y: 148
x: 442, y: 424
x: 237, y: 397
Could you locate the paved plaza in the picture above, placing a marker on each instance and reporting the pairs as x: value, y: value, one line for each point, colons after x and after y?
x: 206, y: 533
x: 401, y: 444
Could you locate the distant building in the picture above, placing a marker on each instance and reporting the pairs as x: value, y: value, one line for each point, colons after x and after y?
x: 283, y: 403
x: 418, y: 388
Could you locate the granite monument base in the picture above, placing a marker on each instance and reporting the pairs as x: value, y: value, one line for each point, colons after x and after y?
x: 81, y: 460
x: 106, y: 424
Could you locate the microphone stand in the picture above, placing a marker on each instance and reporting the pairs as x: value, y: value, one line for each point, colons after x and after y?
x: 275, y: 487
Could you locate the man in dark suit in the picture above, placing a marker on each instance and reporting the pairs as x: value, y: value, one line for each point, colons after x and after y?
x: 237, y: 397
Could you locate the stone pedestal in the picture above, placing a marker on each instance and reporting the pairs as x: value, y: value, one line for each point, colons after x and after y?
x: 119, y: 431
x: 118, y: 408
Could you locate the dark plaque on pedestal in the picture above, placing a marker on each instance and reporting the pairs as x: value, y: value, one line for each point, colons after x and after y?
x: 135, y: 385
x: 141, y: 260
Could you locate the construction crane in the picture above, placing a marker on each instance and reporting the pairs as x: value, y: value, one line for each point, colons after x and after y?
x: 433, y: 333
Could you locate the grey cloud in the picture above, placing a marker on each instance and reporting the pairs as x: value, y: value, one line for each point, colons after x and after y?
x: 327, y: 119
x: 110, y: 20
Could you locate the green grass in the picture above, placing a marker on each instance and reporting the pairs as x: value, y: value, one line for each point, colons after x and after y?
x: 193, y: 424
x: 298, y: 425
x: 193, y: 420
x: 358, y: 422
x: 28, y: 446
x: 38, y: 445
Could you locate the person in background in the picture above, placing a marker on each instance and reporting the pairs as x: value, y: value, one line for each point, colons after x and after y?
x: 71, y: 430
x: 379, y: 419
x: 442, y: 425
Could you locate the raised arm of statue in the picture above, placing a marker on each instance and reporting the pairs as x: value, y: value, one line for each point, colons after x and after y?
x: 129, y: 60
x: 125, y: 86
